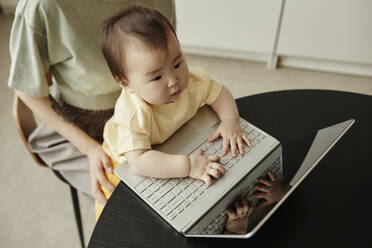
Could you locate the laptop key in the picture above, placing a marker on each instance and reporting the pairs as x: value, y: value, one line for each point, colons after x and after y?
x: 147, y: 193
x: 154, y: 187
x: 172, y: 215
x: 161, y: 192
x: 153, y: 198
x: 192, y: 187
x: 174, y: 181
x: 168, y: 197
x: 199, y: 191
x: 159, y: 204
x: 147, y: 182
x: 166, y: 210
x: 140, y: 187
x: 161, y: 182
x: 186, y: 203
x: 179, y: 209
x: 168, y: 186
x: 182, y: 185
x: 186, y: 193
x: 176, y: 190
x: 189, y: 180
x: 176, y: 202
x: 193, y: 197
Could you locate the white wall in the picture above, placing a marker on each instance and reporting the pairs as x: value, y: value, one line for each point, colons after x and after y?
x: 239, y: 25
x: 328, y: 29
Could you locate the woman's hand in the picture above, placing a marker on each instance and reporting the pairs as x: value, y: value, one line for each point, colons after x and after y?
x: 99, y: 163
x: 269, y: 190
x: 237, y: 216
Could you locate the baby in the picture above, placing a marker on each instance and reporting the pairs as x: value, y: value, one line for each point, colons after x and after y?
x: 159, y: 95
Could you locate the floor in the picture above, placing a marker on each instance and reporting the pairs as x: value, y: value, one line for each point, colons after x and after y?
x: 35, y: 208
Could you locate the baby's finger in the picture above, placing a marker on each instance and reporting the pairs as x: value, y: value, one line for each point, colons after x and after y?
x: 240, y: 146
x: 246, y: 139
x: 262, y: 188
x: 271, y: 176
x: 233, y: 146
x: 226, y: 143
x: 207, y: 179
x: 214, y: 158
x: 214, y: 172
x: 214, y: 136
x: 200, y: 152
x: 219, y: 167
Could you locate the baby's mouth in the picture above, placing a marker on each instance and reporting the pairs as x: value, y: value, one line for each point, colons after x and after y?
x: 175, y: 93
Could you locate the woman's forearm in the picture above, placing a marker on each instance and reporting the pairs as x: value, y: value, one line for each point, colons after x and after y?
x: 42, y: 108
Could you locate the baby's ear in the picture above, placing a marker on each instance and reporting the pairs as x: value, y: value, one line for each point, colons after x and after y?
x: 123, y: 83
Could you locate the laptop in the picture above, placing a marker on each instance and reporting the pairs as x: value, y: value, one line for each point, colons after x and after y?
x: 197, y: 210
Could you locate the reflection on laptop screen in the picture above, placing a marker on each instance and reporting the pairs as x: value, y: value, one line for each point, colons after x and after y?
x: 300, y: 156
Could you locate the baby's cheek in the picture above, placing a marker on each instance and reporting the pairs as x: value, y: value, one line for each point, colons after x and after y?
x: 185, y: 81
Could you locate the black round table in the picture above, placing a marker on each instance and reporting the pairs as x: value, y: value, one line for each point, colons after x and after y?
x: 331, y: 208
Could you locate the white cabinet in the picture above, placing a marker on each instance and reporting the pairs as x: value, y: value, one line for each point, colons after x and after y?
x: 239, y: 25
x: 336, y: 30
x: 330, y: 35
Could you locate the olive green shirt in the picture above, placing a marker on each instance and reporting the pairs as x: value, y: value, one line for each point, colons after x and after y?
x: 63, y: 37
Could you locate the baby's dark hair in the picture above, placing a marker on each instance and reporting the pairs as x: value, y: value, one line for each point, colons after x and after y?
x: 146, y: 24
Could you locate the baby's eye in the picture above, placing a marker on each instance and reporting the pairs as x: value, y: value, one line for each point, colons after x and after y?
x: 178, y: 65
x: 156, y: 79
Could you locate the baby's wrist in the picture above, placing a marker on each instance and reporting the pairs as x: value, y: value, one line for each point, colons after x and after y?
x: 230, y: 119
x: 188, y: 165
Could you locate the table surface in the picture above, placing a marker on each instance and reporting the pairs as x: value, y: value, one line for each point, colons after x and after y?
x: 332, y: 206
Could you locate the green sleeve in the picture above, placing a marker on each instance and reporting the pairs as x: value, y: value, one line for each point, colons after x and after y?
x: 29, y: 59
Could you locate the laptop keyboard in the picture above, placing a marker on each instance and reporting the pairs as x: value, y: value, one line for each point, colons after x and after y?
x: 172, y: 196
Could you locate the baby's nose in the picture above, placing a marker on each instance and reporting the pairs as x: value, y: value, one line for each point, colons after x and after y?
x: 172, y: 81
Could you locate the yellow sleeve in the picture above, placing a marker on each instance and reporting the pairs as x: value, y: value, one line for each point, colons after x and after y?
x: 128, y: 130
x: 208, y: 88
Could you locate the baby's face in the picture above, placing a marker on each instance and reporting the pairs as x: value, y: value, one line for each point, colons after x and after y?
x: 156, y: 75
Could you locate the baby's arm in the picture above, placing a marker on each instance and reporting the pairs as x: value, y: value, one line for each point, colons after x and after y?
x: 229, y: 129
x: 158, y: 164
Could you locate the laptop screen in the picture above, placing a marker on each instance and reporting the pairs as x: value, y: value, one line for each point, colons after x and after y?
x: 300, y: 156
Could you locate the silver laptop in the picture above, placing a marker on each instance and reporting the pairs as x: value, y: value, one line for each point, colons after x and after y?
x: 193, y: 208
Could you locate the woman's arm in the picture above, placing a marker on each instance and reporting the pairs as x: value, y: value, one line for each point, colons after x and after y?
x: 98, y: 160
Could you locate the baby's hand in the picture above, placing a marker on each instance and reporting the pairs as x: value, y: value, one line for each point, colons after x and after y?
x: 232, y: 136
x: 237, y: 216
x: 205, y: 168
x: 269, y: 191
